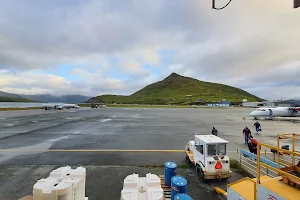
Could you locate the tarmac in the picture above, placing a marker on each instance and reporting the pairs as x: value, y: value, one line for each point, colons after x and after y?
x: 30, y: 141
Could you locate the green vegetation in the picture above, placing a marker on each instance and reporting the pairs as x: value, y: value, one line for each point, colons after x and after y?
x: 236, y: 165
x: 12, y: 99
x: 173, y: 90
x: 180, y: 166
x: 29, y: 108
x: 152, y: 166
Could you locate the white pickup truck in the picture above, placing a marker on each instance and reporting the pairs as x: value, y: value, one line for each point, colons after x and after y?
x: 209, y: 155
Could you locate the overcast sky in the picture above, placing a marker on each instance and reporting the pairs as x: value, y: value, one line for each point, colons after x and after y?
x: 119, y: 46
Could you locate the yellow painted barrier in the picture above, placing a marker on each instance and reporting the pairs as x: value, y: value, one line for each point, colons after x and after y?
x: 220, y: 191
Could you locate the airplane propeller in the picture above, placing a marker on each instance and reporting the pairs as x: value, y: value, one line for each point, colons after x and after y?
x: 294, y: 109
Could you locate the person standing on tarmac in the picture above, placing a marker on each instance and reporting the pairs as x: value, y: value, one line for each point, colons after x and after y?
x: 214, y: 131
x: 246, y: 133
x: 252, y: 145
x: 257, y: 126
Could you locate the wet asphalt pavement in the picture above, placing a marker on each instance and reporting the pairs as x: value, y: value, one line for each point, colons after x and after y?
x: 113, y: 128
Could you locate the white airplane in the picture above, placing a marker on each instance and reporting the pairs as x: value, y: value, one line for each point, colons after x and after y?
x: 59, y: 106
x: 68, y: 106
x: 271, y: 112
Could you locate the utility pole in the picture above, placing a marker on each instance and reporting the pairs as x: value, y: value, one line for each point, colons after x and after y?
x: 296, y: 4
x: 214, y: 5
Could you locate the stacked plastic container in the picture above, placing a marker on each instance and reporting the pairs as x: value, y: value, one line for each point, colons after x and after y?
x: 170, y: 171
x: 178, y: 183
x: 63, y: 183
x: 142, y: 188
x: 182, y: 197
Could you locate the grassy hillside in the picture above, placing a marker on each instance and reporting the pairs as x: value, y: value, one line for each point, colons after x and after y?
x: 6, y: 94
x: 173, y: 90
x: 11, y: 99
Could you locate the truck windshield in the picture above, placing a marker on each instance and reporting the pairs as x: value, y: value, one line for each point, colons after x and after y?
x: 216, y: 149
x: 221, y: 148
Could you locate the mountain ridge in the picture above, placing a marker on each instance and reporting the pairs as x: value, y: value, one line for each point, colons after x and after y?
x: 13, y: 99
x: 12, y: 95
x: 173, y: 90
x: 75, y: 98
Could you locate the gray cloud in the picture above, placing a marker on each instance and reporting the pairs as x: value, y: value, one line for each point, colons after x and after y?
x: 247, y: 45
x: 43, y: 29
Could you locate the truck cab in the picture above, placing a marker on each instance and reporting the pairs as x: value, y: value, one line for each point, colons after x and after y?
x: 209, y: 154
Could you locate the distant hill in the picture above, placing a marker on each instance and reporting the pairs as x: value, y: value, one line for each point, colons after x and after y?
x: 6, y: 94
x: 173, y: 90
x: 43, y: 98
x: 12, y: 99
x: 54, y: 98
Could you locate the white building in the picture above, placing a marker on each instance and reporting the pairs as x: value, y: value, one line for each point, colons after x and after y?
x: 258, y: 104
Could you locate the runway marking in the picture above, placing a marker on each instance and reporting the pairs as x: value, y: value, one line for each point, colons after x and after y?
x: 104, y: 120
x: 9, y: 125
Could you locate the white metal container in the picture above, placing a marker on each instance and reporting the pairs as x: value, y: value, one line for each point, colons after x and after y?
x: 142, y: 188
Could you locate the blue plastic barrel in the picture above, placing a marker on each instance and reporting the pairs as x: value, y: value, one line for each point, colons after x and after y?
x: 182, y: 196
x: 178, y: 185
x: 170, y: 171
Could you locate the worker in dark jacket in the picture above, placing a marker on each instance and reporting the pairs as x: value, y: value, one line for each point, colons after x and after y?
x: 246, y: 133
x: 214, y: 131
x: 257, y: 126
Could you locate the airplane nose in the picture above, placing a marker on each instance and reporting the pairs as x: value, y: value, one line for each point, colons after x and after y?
x: 252, y: 113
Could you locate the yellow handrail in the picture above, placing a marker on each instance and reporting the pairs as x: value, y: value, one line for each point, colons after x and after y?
x: 278, y: 149
x: 278, y: 170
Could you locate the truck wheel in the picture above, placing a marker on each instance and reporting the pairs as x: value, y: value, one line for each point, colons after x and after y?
x: 187, y: 160
x: 200, y: 174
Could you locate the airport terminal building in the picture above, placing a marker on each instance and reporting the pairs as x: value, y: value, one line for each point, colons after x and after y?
x: 223, y: 103
x: 287, y: 103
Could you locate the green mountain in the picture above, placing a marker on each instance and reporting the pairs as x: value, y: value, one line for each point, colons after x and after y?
x: 6, y: 94
x: 76, y: 98
x: 173, y: 90
x: 12, y: 99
